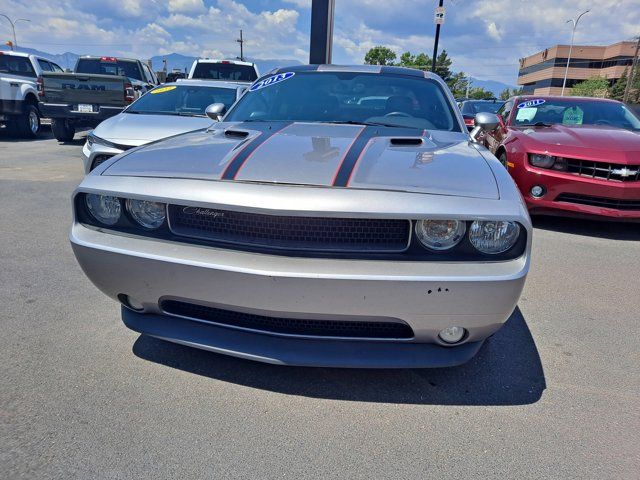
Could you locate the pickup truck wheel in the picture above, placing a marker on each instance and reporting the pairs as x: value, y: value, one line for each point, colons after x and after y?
x: 62, y: 130
x: 29, y: 123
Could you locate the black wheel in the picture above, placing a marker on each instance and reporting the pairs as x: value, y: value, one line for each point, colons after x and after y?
x: 503, y: 159
x: 62, y: 130
x: 12, y: 128
x: 28, y: 124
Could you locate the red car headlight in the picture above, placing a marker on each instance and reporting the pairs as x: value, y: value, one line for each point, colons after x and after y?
x: 542, y: 161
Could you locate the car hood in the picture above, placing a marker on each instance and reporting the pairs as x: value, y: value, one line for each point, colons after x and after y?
x: 587, y: 141
x: 138, y: 129
x: 381, y: 158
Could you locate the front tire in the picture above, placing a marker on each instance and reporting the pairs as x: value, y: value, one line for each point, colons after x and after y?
x: 28, y: 124
x: 62, y: 130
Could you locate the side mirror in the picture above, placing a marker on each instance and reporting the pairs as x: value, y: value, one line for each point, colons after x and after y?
x: 215, y: 111
x: 485, y: 122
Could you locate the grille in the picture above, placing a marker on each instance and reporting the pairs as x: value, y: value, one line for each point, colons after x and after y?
x: 607, y: 171
x: 292, y: 233
x: 289, y: 326
x: 99, y: 159
x: 599, y: 201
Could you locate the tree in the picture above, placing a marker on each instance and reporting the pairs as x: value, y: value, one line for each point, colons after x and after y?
x: 380, y: 56
x: 479, y: 93
x: 617, y: 89
x: 507, y: 93
x: 443, y: 66
x: 458, y: 84
x: 592, y: 87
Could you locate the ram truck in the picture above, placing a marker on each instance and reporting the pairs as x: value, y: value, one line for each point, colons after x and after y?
x: 19, y: 111
x: 99, y: 88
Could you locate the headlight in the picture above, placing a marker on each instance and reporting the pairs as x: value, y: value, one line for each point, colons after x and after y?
x: 104, y: 208
x: 493, y: 237
x: 542, y: 161
x: 93, y: 140
x: 440, y: 234
x: 150, y: 215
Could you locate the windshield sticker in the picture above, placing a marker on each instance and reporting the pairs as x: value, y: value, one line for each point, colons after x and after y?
x: 572, y: 116
x: 526, y: 114
x: 163, y: 89
x: 531, y: 103
x: 267, y: 82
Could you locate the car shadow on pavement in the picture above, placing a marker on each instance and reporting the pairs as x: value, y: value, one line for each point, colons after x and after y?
x: 589, y: 228
x: 506, y: 371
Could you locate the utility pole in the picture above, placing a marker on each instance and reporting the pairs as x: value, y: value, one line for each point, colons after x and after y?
x: 321, y: 44
x: 241, y: 42
x: 468, y: 87
x: 13, y: 27
x: 439, y: 20
x: 573, y: 32
x: 632, y: 74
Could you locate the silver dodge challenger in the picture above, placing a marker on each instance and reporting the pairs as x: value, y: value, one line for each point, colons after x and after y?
x: 335, y: 216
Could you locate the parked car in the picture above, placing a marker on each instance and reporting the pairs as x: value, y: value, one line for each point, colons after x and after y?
x: 306, y: 229
x: 19, y: 110
x: 174, y: 76
x: 571, y: 156
x: 168, y: 110
x: 470, y: 108
x: 99, y: 88
x: 226, y: 70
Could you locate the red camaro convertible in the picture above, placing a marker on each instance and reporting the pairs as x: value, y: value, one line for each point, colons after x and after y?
x: 571, y: 156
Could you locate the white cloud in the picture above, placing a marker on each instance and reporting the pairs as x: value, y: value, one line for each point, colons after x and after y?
x: 492, y: 30
x: 186, y: 6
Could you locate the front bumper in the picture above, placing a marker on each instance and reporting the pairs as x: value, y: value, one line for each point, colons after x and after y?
x: 428, y: 296
x: 559, y: 183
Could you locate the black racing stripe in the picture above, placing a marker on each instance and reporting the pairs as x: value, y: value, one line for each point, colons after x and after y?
x: 267, y: 129
x: 351, y: 158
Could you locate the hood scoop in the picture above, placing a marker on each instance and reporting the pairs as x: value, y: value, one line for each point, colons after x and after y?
x: 406, y: 142
x: 236, y: 133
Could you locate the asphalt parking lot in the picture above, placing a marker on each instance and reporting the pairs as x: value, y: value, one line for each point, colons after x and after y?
x: 555, y: 394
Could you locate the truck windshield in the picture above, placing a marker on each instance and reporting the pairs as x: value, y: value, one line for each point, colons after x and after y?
x: 348, y: 97
x: 182, y: 100
x: 225, y: 71
x: 97, y: 66
x: 574, y: 112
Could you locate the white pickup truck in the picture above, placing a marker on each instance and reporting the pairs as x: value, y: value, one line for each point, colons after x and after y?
x: 19, y: 110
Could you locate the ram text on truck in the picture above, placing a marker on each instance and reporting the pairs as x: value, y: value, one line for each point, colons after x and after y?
x: 99, y: 88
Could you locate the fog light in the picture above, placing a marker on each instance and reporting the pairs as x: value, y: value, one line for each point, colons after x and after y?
x: 537, y: 191
x: 452, y: 334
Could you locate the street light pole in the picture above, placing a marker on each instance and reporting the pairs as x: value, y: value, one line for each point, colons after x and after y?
x: 13, y: 27
x: 573, y: 32
x: 435, y: 42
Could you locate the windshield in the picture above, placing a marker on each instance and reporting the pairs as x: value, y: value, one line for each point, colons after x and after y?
x: 182, y: 100
x: 102, y: 67
x: 471, y: 108
x: 225, y: 71
x: 387, y: 99
x: 574, y: 112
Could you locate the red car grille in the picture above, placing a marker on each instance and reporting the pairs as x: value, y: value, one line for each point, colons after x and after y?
x: 606, y: 171
x: 614, y: 203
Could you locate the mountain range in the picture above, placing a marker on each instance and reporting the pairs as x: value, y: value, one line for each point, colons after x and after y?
x: 183, y: 63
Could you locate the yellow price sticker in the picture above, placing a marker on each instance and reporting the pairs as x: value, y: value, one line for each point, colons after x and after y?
x: 163, y: 89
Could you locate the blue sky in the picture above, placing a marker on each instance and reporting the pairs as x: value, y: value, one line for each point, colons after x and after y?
x: 485, y: 38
